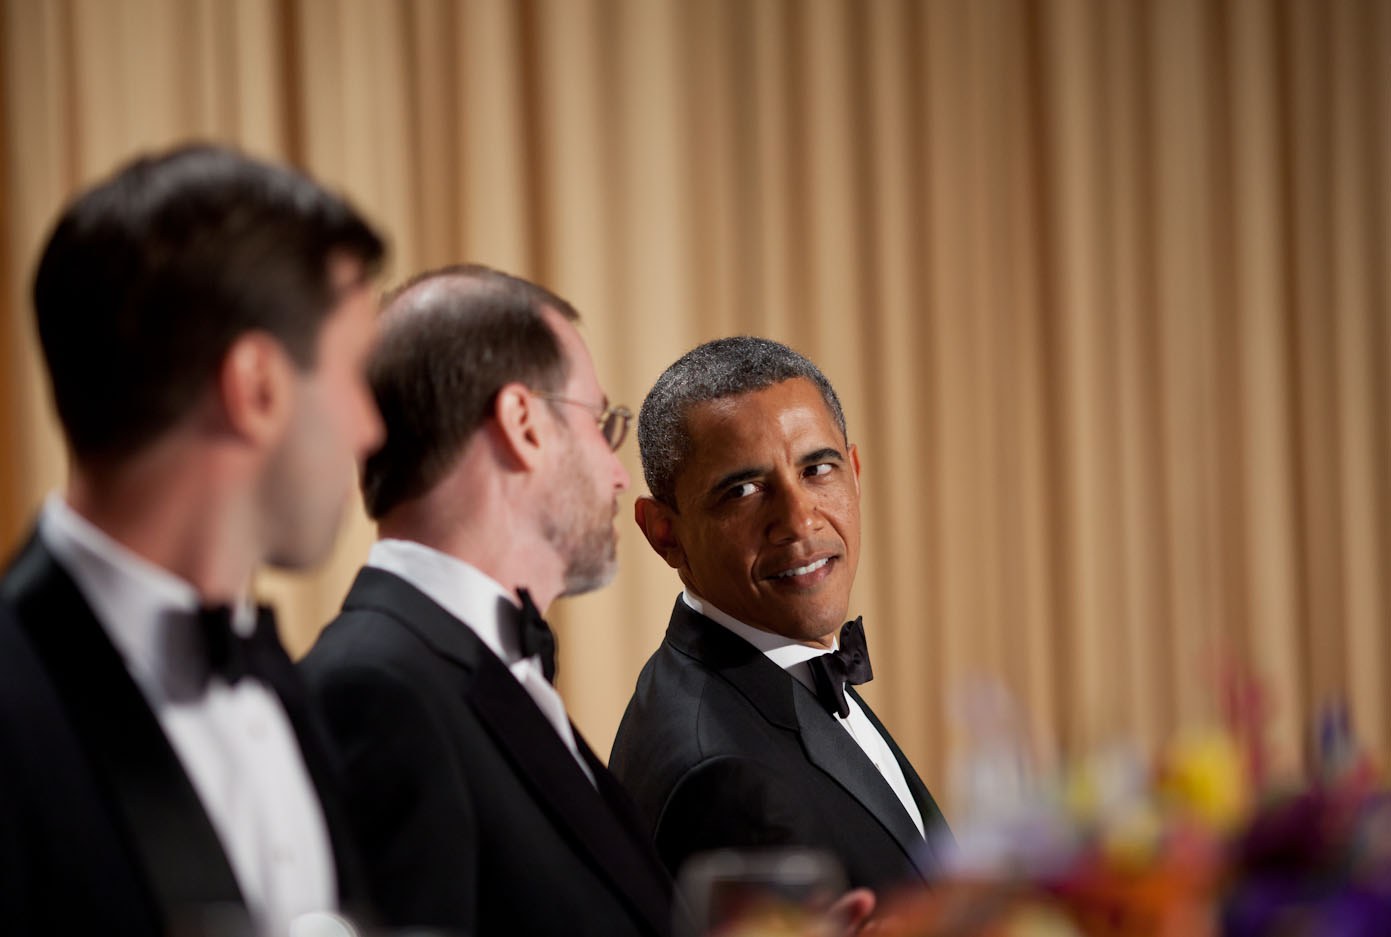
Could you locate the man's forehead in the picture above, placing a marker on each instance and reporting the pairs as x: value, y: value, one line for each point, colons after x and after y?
x: 757, y: 409
x: 721, y: 430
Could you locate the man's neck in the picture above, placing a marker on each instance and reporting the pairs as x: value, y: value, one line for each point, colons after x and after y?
x: 174, y: 517
x: 492, y: 542
x: 826, y: 642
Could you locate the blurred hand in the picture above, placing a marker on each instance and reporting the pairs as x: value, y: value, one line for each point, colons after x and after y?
x: 852, y: 910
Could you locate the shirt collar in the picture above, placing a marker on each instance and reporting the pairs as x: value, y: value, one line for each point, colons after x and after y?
x: 461, y: 589
x: 784, y: 651
x: 144, y: 609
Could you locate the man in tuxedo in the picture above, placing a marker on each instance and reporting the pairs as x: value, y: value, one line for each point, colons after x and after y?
x: 479, y: 806
x: 205, y: 321
x: 744, y: 730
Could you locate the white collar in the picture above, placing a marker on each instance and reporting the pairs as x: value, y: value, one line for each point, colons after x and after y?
x: 784, y: 651
x: 461, y: 589
x: 144, y: 609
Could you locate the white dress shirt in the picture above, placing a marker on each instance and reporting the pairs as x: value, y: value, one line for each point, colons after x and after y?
x: 793, y: 656
x: 235, y: 743
x: 482, y: 604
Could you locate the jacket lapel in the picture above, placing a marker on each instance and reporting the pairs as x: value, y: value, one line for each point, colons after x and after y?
x: 591, y: 819
x: 830, y: 748
x: 557, y: 783
x: 934, y: 823
x: 783, y: 701
x: 625, y: 811
x: 180, y: 853
x: 761, y: 681
x: 324, y: 772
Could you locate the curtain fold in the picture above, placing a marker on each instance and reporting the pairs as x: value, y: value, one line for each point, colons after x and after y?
x: 1103, y: 286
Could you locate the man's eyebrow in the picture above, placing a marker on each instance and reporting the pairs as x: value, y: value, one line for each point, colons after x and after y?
x: 734, y: 478
x: 824, y: 454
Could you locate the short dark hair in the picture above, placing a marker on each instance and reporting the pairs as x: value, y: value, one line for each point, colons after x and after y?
x: 722, y: 368
x: 451, y: 339
x: 149, y: 277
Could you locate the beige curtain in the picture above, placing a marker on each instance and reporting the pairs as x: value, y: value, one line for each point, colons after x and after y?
x: 1103, y: 284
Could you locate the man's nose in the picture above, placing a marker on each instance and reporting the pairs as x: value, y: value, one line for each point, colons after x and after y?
x: 794, y: 514
x: 621, y: 478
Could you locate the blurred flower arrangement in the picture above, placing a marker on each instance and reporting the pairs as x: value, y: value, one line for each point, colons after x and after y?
x: 1198, y: 842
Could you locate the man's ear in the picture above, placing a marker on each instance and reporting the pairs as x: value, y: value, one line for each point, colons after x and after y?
x: 255, y: 387
x: 854, y: 453
x: 658, y: 524
x: 517, y: 412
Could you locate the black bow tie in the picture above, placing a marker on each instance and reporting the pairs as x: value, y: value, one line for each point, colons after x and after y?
x: 850, y: 665
x: 232, y: 656
x: 536, y: 636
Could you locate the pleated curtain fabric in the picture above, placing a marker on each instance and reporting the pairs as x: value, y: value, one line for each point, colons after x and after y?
x: 1105, y: 288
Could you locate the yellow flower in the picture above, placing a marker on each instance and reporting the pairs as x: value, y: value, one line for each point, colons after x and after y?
x: 1204, y: 776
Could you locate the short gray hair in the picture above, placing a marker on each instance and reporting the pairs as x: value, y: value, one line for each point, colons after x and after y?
x: 725, y: 367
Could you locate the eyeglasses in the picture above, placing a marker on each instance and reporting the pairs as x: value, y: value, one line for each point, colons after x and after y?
x: 613, y: 421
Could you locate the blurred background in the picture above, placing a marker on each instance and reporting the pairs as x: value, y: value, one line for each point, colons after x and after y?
x: 1103, y: 285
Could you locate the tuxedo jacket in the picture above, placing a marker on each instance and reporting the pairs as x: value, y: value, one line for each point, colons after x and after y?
x: 472, y: 813
x: 721, y: 748
x: 101, y: 830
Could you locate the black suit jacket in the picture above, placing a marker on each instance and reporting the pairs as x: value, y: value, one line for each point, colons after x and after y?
x: 471, y: 811
x: 720, y: 747
x: 101, y: 831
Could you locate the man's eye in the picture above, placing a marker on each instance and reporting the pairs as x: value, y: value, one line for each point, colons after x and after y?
x: 741, y: 490
x: 820, y: 468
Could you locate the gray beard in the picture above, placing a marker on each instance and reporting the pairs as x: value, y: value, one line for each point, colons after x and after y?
x: 584, y: 539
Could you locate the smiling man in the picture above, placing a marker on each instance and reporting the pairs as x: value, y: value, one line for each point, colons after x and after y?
x: 744, y: 730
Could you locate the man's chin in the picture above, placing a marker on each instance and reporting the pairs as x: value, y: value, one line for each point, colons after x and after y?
x: 815, y: 626
x: 589, y: 578
x: 304, y: 553
x: 297, y: 561
x: 795, y: 624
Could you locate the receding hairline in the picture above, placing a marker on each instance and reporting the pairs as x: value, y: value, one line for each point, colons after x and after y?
x: 464, y: 281
x: 450, y: 340
x: 434, y: 295
x: 421, y: 294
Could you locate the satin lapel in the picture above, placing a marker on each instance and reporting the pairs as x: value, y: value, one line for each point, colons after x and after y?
x: 783, y: 701
x: 530, y: 743
x: 388, y: 594
x: 747, y: 669
x: 325, y: 772
x: 558, y: 785
x: 830, y: 748
x: 934, y: 824
x: 182, y: 857
x: 623, y: 807
x: 647, y: 865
